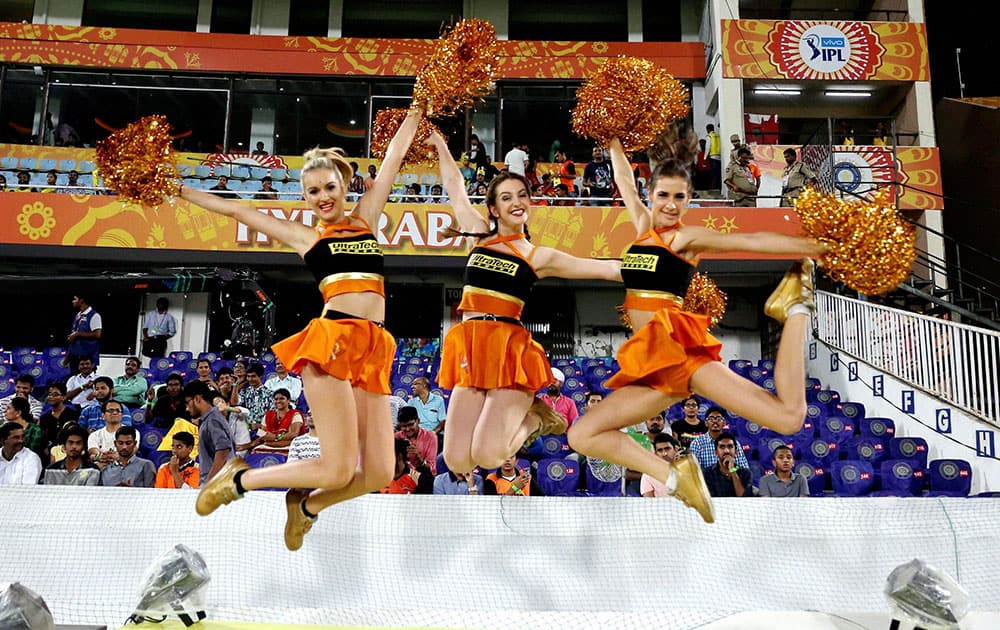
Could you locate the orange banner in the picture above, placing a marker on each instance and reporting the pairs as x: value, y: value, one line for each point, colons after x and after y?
x: 824, y: 51
x: 348, y: 56
x: 413, y: 229
x: 860, y: 170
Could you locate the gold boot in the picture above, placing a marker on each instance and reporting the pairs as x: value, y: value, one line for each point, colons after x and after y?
x: 298, y: 524
x: 691, y: 488
x: 221, y: 489
x: 795, y: 288
x: 550, y: 421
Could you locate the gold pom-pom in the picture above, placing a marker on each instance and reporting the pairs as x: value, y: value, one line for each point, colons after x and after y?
x: 705, y: 298
x: 387, y: 122
x: 461, y: 71
x: 137, y: 162
x: 870, y: 248
x: 631, y: 99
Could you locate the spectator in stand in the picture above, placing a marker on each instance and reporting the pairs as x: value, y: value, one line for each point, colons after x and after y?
x: 598, y: 178
x: 50, y: 182
x: 538, y: 194
x: 654, y: 427
x: 422, y: 444
x: 468, y: 171
x: 430, y: 406
x: 18, y: 465
x: 784, y: 481
x: 58, y: 415
x: 24, y: 182
x: 480, y: 180
x: 406, y: 479
x: 562, y: 196
x: 281, y: 379
x: 880, y: 135
x: 73, y: 186
x: 690, y: 426
x: 667, y: 448
x: 75, y: 468
x: 356, y: 187
x: 131, y: 387
x: 795, y: 178
x: 305, y: 446
x: 715, y: 155
x: 702, y: 168
x: 215, y: 440
x: 567, y: 173
x: 204, y: 370
x: 516, y: 159
x: 259, y: 150
x: 91, y: 416
x: 477, y: 154
x: 3, y: 183
x: 452, y: 483
x: 170, y: 404
x: 437, y: 195
x: 236, y: 418
x: 726, y: 478
x: 181, y: 471
x: 101, y: 443
x: 553, y: 397
x: 413, y: 194
x: 23, y: 386
x: 370, y: 180
x: 81, y: 384
x: 267, y: 191
x: 158, y: 327
x: 256, y: 398
x: 845, y: 133
x: 19, y: 411
x: 225, y: 380
x: 221, y: 188
x: 508, y: 479
x: 703, y: 446
x: 281, y: 424
x: 66, y: 135
x: 740, y: 180
x: 84, y: 339
x: 128, y: 470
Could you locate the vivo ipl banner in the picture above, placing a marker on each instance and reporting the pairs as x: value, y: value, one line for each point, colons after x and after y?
x: 56, y: 219
x: 824, y: 51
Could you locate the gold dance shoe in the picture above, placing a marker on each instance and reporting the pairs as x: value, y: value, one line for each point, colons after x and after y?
x: 221, y: 489
x: 691, y: 488
x: 550, y: 421
x: 795, y: 288
x: 298, y: 524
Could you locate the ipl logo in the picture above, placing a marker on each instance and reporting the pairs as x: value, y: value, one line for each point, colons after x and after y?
x: 825, y: 48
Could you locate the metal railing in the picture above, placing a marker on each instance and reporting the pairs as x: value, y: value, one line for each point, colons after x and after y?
x: 955, y: 362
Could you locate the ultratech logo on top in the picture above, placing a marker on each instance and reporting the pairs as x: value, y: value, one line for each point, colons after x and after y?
x: 640, y: 262
x: 489, y: 263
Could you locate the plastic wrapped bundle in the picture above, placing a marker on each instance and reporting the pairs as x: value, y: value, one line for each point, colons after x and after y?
x: 927, y: 596
x: 174, y: 584
x: 387, y: 122
x: 137, y: 162
x: 462, y: 69
x: 20, y: 607
x: 705, y: 298
x: 870, y: 248
x: 631, y: 99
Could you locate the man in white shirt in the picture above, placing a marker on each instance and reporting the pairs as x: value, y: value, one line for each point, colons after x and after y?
x: 80, y: 386
x: 517, y: 159
x: 18, y: 465
x: 101, y: 442
x: 22, y: 388
x: 284, y: 380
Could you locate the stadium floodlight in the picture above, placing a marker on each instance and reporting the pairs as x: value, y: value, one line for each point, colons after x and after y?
x: 173, y: 585
x: 20, y: 607
x: 927, y: 596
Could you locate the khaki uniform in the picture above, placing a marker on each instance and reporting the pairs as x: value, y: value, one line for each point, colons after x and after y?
x: 793, y: 181
x: 746, y: 186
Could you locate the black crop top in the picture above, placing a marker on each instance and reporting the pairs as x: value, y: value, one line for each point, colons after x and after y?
x: 503, y: 272
x: 354, y: 260
x: 656, y: 267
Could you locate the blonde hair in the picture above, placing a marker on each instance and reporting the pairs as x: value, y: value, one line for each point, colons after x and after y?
x: 332, y: 159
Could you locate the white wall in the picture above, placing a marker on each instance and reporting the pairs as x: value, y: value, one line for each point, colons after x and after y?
x: 190, y: 310
x: 950, y: 433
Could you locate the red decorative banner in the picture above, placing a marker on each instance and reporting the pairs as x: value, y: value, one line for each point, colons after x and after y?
x: 824, y: 51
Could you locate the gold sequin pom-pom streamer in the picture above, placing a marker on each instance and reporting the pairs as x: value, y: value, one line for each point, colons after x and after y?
x: 137, y: 162
x: 705, y: 298
x: 462, y: 69
x: 870, y: 248
x: 387, y: 122
x: 631, y: 99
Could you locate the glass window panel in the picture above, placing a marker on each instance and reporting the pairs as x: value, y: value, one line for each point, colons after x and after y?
x: 583, y: 20
x: 231, y: 16
x: 17, y: 10
x: 661, y: 20
x: 309, y: 17
x: 21, y: 106
x: 398, y: 18
x: 176, y: 15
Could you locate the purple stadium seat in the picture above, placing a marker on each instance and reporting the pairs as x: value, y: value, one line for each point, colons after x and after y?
x: 615, y: 475
x: 829, y: 397
x: 558, y: 477
x: 442, y: 466
x: 815, y: 412
x: 160, y: 458
x: 755, y: 374
x: 138, y: 415
x: 766, y: 446
x: 260, y: 460
x: 950, y: 478
x: 909, y: 448
x: 815, y: 477
x: 801, y: 440
x: 882, y: 428
x: 740, y: 366
x: 821, y: 453
x: 756, y: 471
x: 852, y: 478
x: 767, y: 365
x: 149, y: 441
x: 813, y: 384
x: 900, y: 477
x: 180, y: 357
x: 6, y: 387
x: 836, y: 429
x: 866, y: 448
x: 853, y: 411
x: 555, y: 447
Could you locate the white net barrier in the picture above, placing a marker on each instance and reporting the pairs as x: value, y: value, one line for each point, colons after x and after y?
x: 490, y: 562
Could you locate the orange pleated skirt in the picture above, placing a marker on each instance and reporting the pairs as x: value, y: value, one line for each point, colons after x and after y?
x: 665, y: 352
x: 353, y: 350
x: 492, y: 355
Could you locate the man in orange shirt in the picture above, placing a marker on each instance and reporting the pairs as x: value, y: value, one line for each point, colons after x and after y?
x: 181, y: 471
x: 508, y: 480
x: 407, y: 479
x: 567, y: 172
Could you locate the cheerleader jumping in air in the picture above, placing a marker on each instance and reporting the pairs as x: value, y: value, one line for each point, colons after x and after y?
x: 671, y: 352
x: 344, y: 356
x: 489, y: 361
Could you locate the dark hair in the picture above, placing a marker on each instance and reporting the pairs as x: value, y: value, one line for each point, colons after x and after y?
x: 691, y: 397
x: 710, y: 127
x: 72, y: 429
x: 22, y: 406
x: 266, y: 178
x: 7, y: 429
x: 127, y: 431
x: 200, y: 361
x: 282, y: 391
x: 225, y: 369
x: 783, y: 447
x: 491, y: 201
x: 25, y: 378
x: 61, y: 386
x: 164, y: 301
x: 104, y: 406
x: 174, y: 376
x: 184, y: 438
x: 199, y: 388
x: 106, y: 380
x: 672, y: 152
x: 722, y: 412
x: 136, y: 359
x: 593, y: 393
x: 257, y: 369
x: 743, y: 151
x: 725, y: 435
x: 401, y: 446
x: 405, y: 414
x: 790, y: 150
x: 660, y: 438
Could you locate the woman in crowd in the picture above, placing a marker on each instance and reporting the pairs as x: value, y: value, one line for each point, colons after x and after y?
x: 344, y: 356
x: 281, y: 424
x: 671, y: 352
x: 489, y: 361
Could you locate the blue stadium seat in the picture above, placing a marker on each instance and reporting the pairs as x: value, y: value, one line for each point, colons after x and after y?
x: 821, y: 453
x: 149, y: 440
x: 909, y: 448
x: 829, y: 397
x: 257, y: 172
x: 47, y: 164
x: 815, y: 413
x: 241, y: 172
x: 755, y: 374
x: 401, y: 392
x: 260, y: 460
x: 442, y: 466
x: 278, y: 174
x: 815, y: 477
x: 853, y: 411
x: 86, y: 167
x: 211, y: 356
x: 766, y: 446
x: 740, y: 366
x: 558, y: 477
x: 202, y: 171
x: 835, y: 429
x: 767, y: 365
x: 555, y: 447
x: 813, y: 384
x: 868, y: 449
x: 852, y: 478
x: 138, y: 415
x: 67, y: 165
x: 6, y: 387
x: 882, y: 428
x: 4, y: 371
x: 950, y: 478
x: 757, y: 471
x: 180, y: 357
x: 901, y: 478
x: 614, y: 487
x: 184, y: 170
x: 29, y: 163
x: 9, y: 163
x: 754, y: 432
x: 768, y: 383
x: 160, y: 458
x: 295, y: 174
x: 222, y: 170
